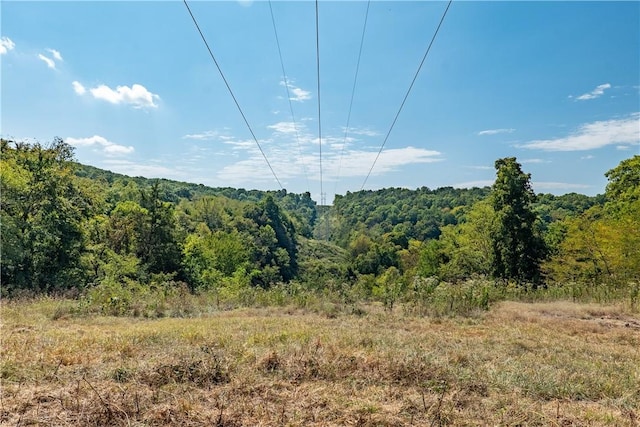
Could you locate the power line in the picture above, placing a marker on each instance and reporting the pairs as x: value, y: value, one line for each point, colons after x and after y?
x: 286, y: 85
x: 407, y: 94
x: 319, y: 117
x: 232, y: 95
x: 353, y: 91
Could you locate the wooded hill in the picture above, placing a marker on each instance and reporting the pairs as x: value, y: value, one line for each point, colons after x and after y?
x: 68, y: 227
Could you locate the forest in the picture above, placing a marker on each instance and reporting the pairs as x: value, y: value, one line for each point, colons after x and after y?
x: 115, y: 242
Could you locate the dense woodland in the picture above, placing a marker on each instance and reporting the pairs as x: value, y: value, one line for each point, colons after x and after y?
x: 80, y: 231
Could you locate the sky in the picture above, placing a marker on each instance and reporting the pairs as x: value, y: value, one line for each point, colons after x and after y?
x: 133, y: 88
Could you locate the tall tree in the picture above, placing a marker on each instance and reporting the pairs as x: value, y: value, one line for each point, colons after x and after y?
x: 517, y: 248
x: 274, y: 243
x: 42, y: 211
x: 159, y: 249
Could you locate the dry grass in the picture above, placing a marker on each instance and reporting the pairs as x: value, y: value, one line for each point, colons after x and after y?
x: 520, y: 364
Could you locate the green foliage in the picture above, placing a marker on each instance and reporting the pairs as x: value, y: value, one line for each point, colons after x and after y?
x: 517, y: 249
x: 411, y: 214
x: 467, y: 247
x: 274, y: 243
x: 430, y: 296
x: 601, y: 245
x: 134, y: 241
x: 388, y: 287
x: 321, y: 262
x: 43, y: 208
x: 372, y: 257
x: 624, y: 181
x: 209, y: 257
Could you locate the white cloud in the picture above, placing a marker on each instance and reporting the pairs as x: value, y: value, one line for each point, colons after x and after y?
x: 56, y: 54
x: 50, y: 62
x: 495, y: 131
x: 106, y: 147
x: 117, y: 150
x: 596, y: 93
x: 594, y: 135
x: 137, y: 95
x: 359, y: 161
x: 529, y: 161
x: 204, y: 136
x: 284, y: 127
x: 362, y: 131
x: 294, y: 158
x: 297, y: 94
x: 479, y: 183
x: 6, y: 44
x: 300, y: 95
x: 588, y: 157
x: 129, y: 168
x: 78, y: 88
x: 541, y: 185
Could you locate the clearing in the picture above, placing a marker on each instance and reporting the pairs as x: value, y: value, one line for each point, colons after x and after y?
x: 518, y: 364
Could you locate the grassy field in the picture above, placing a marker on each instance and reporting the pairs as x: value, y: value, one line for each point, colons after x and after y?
x: 547, y: 364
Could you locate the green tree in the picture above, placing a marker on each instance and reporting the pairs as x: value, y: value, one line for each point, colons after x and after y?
x: 208, y: 257
x: 601, y: 245
x: 159, y: 249
x: 517, y: 249
x: 42, y: 212
x: 273, y: 236
x: 624, y: 181
x: 467, y: 246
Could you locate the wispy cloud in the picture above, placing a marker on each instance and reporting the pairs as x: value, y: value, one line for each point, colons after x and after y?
x: 130, y: 168
x: 50, y: 62
x: 470, y: 184
x: 589, y: 136
x: 297, y: 94
x: 283, y: 127
x: 78, y: 88
x: 530, y: 161
x: 542, y: 185
x: 495, y: 131
x: 596, y: 93
x: 292, y: 161
x: 104, y: 145
x: 137, y: 95
x: 484, y: 168
x: 207, y: 135
x: 6, y: 44
x: 362, y: 131
x: 360, y: 161
x: 56, y: 54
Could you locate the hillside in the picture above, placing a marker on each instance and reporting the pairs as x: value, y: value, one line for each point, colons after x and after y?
x: 78, y: 230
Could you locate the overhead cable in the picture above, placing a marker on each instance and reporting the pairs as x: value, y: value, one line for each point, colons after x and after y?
x: 286, y: 85
x: 353, y: 91
x: 319, y: 104
x: 408, y: 92
x: 231, y: 92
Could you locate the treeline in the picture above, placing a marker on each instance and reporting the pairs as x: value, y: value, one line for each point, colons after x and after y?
x: 71, y: 228
x: 63, y: 230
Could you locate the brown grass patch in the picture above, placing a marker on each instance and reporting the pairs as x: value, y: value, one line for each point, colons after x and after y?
x: 521, y: 364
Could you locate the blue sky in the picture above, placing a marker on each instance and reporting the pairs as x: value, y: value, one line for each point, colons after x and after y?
x: 132, y: 87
